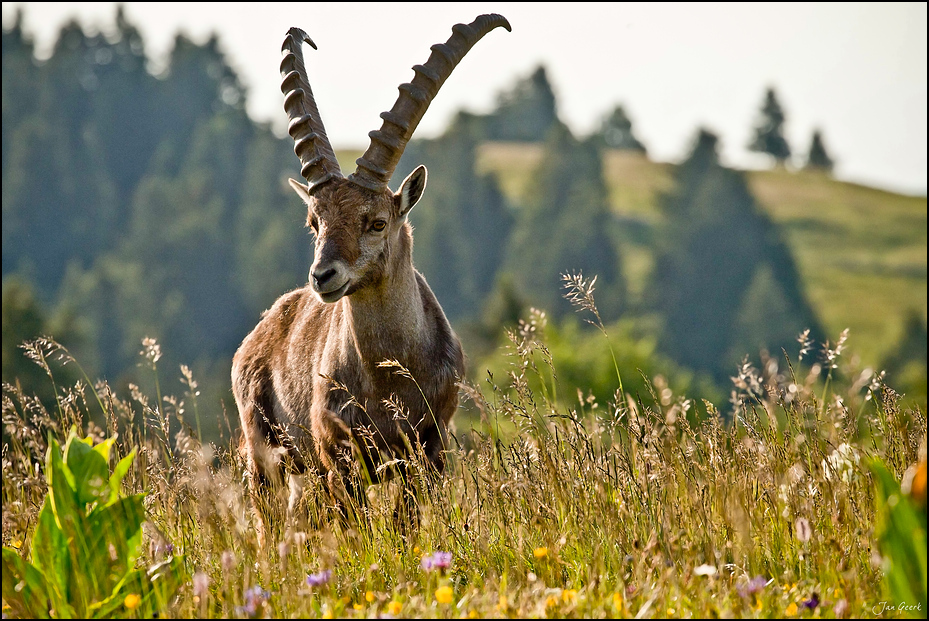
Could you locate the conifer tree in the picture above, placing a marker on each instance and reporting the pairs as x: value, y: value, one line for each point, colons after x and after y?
x: 724, y: 281
x: 818, y: 158
x: 20, y: 78
x: 616, y: 132
x: 526, y: 112
x: 769, y: 130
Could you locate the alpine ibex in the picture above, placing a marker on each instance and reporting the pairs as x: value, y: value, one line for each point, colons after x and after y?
x: 311, y: 384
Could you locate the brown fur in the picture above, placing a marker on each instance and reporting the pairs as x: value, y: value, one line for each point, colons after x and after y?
x: 307, y: 381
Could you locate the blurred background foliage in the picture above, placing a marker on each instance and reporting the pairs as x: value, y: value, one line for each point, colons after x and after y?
x: 140, y: 205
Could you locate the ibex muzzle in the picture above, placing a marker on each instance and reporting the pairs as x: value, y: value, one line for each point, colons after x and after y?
x: 315, y: 382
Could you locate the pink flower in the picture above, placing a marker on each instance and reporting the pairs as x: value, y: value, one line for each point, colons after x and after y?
x: 437, y: 560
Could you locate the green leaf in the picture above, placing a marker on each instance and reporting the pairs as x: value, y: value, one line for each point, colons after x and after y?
x: 103, y: 448
x: 50, y: 554
x: 64, y: 475
x: 902, y: 541
x: 119, y: 472
x: 90, y: 467
x: 69, y: 517
x: 114, y: 533
x: 155, y: 587
x: 24, y: 588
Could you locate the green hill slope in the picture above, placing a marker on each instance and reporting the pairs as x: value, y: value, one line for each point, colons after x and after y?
x: 861, y: 251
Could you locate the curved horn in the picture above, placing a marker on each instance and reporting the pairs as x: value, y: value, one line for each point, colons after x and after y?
x: 306, y: 127
x: 377, y: 165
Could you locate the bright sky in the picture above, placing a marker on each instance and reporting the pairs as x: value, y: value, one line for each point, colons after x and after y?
x: 856, y: 71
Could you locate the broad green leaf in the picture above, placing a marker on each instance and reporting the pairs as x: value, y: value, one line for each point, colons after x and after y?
x: 113, y: 535
x: 155, y: 587
x: 84, y: 561
x: 50, y: 553
x: 90, y: 468
x: 65, y: 476
x: 103, y: 448
x: 24, y: 588
x: 69, y: 517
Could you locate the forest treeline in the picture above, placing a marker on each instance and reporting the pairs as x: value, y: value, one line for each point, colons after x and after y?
x: 137, y: 205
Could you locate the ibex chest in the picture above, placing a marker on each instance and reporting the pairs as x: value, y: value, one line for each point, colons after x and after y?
x: 387, y: 398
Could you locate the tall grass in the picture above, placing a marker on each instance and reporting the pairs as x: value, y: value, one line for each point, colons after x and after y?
x: 649, y: 506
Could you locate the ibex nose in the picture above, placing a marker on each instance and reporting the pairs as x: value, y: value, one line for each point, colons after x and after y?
x: 322, y: 276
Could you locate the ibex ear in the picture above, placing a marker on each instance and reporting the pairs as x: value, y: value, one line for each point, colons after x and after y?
x: 303, y: 191
x: 412, y: 190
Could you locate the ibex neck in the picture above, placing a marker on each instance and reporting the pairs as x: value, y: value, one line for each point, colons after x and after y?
x: 387, y: 321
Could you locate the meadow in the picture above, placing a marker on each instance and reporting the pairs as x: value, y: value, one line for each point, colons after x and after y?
x: 785, y: 501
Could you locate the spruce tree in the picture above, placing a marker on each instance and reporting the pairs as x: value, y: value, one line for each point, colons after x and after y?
x: 21, y: 79
x: 769, y: 130
x: 818, y: 158
x: 616, y: 132
x: 724, y: 282
x: 526, y: 112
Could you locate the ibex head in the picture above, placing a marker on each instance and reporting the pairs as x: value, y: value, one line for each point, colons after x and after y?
x: 360, y: 225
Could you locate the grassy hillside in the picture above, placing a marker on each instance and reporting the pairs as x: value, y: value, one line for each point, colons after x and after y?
x: 861, y: 251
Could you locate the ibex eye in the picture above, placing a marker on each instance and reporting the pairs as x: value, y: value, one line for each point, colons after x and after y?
x: 378, y: 225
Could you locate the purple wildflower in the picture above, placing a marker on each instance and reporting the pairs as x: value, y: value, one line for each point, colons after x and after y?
x: 437, y: 560
x: 319, y: 578
x: 813, y: 602
x: 752, y: 587
x: 161, y: 549
x: 254, y: 598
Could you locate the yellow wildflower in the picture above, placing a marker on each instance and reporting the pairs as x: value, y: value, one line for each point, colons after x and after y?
x: 394, y: 607
x: 502, y: 602
x: 369, y: 596
x: 569, y: 595
x: 617, y: 600
x: 792, y: 609
x: 444, y: 594
x: 327, y: 614
x: 540, y: 552
x: 551, y: 601
x: 132, y: 601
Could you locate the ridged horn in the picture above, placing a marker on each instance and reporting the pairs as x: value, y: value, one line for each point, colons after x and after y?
x: 311, y: 144
x: 377, y: 165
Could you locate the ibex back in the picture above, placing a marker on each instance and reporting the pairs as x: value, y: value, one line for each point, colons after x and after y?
x: 321, y: 379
